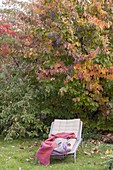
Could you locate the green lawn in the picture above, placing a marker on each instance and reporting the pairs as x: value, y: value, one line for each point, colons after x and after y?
x: 20, y: 155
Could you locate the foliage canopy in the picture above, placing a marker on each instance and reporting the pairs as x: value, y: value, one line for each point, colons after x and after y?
x: 67, y: 48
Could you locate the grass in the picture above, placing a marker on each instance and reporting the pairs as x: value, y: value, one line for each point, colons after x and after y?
x: 20, y: 155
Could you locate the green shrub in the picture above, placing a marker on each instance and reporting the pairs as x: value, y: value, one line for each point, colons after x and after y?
x: 20, y: 106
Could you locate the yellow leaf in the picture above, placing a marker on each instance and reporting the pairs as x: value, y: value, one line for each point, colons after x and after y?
x: 108, y: 151
x: 77, y: 44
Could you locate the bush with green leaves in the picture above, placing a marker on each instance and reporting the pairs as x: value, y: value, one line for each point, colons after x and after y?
x: 20, y: 105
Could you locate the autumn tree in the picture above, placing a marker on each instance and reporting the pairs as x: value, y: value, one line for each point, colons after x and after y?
x: 71, y: 42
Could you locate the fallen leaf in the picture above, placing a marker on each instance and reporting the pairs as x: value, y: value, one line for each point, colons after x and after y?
x: 96, y: 149
x: 21, y: 147
x: 108, y: 151
x: 87, y: 153
x: 19, y: 168
x: 13, y: 146
x: 27, y: 160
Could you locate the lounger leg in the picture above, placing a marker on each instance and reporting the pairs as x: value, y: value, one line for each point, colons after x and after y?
x: 75, y: 157
x: 39, y: 163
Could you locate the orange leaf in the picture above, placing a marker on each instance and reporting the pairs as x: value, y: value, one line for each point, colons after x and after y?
x: 94, y: 53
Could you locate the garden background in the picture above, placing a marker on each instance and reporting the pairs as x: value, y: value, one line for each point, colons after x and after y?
x: 56, y: 62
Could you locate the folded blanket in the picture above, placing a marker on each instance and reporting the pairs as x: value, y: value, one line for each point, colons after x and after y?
x: 44, y: 152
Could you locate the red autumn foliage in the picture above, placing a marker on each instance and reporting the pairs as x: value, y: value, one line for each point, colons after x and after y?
x: 5, y: 29
x: 111, y: 69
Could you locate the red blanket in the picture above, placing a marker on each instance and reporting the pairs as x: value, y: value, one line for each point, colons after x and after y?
x: 44, y: 152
